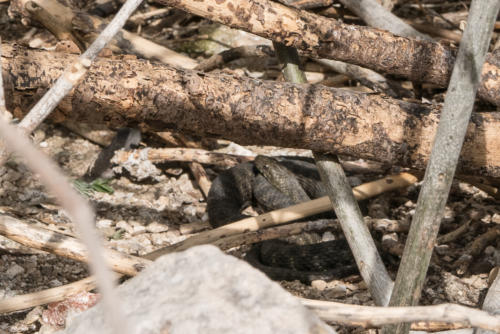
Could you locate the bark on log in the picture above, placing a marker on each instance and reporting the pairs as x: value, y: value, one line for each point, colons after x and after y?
x: 321, y: 37
x: 249, y: 111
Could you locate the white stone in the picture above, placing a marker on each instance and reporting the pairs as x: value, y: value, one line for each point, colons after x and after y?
x: 202, y: 290
x: 156, y: 227
x: 104, y: 223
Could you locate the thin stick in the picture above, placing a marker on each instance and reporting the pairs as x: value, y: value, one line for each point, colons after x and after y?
x: 29, y: 300
x: 375, y: 15
x: 455, y: 234
x: 436, y: 31
x: 63, y: 245
x: 369, y: 316
x: 365, y: 76
x: 226, y: 56
x: 139, y: 18
x: 445, y: 152
x: 3, y: 109
x: 475, y: 247
x: 358, y: 236
x: 247, y: 238
x: 157, y: 155
x: 290, y: 62
x: 285, y: 215
x: 201, y: 156
x: 196, y: 168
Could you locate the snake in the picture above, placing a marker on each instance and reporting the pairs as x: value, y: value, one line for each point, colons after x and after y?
x: 274, y: 184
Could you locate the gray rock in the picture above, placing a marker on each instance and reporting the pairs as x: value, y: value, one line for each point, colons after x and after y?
x: 14, y: 270
x: 202, y: 290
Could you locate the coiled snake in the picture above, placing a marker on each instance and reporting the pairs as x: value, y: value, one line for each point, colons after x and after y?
x: 273, y: 185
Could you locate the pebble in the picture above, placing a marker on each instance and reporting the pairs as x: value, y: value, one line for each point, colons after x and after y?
x: 55, y: 283
x: 19, y: 327
x: 138, y: 229
x: 174, y: 237
x: 409, y: 204
x: 142, y: 239
x: 33, y: 315
x: 319, y: 285
x: 14, y: 270
x: 104, y: 223
x: 489, y: 250
x: 327, y: 236
x: 159, y: 239
x: 156, y: 227
x: 167, y: 238
x: 125, y: 226
x: 126, y: 246
x: 337, y: 291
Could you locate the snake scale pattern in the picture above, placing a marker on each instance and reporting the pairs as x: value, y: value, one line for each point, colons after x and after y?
x: 273, y: 184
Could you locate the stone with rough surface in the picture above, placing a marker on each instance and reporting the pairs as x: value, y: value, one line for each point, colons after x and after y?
x: 205, y: 291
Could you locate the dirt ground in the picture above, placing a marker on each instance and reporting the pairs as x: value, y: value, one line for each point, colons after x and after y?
x: 140, y: 217
x: 166, y: 206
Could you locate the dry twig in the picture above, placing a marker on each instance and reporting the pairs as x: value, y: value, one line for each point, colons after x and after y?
x: 368, y: 316
x: 235, y: 53
x: 63, y: 245
x: 476, y: 247
x: 358, y: 236
x: 201, y: 156
x: 375, y: 15
x: 445, y: 152
x: 47, y: 296
x: 199, y: 173
x: 247, y: 238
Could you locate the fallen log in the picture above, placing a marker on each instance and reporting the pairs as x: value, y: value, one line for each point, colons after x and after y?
x: 248, y: 111
x: 321, y: 37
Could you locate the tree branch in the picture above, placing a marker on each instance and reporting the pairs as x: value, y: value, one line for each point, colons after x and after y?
x: 368, y: 316
x: 321, y: 37
x: 127, y: 92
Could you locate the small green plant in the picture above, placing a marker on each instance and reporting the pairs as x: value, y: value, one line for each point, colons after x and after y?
x: 86, y: 188
x: 118, y: 234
